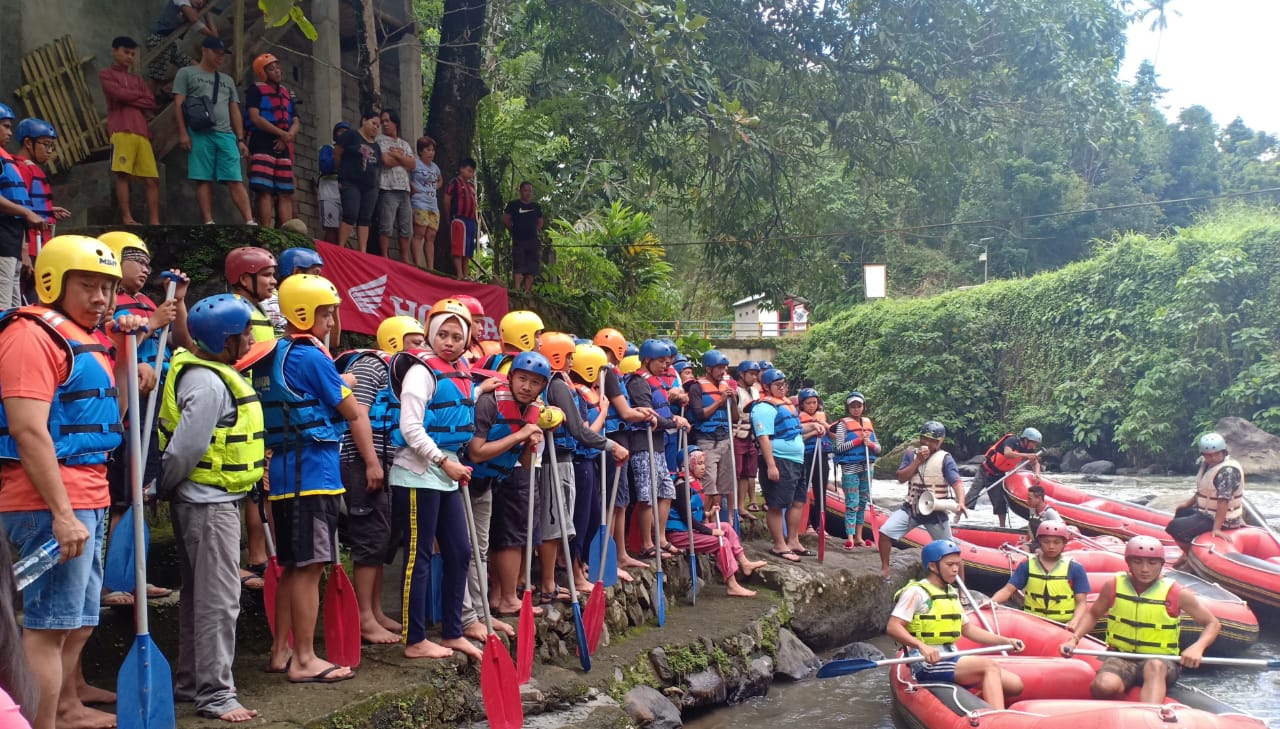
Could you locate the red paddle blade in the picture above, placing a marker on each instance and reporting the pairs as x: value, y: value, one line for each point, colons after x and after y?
x: 593, y: 618
x: 270, y: 584
x: 524, y: 639
x: 341, y: 619
x: 498, y: 686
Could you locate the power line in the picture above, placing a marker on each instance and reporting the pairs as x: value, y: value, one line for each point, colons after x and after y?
x: 927, y: 226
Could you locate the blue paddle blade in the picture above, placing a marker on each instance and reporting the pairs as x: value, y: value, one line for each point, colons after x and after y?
x: 609, y: 576
x: 737, y: 522
x: 435, y: 610
x: 661, y: 601
x: 693, y: 577
x: 831, y: 669
x: 145, y: 688
x: 584, y: 655
x: 117, y: 572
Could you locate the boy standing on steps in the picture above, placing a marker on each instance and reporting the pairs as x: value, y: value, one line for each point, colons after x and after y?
x: 462, y: 206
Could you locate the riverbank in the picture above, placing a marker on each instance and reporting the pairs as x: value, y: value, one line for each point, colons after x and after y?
x: 722, y: 651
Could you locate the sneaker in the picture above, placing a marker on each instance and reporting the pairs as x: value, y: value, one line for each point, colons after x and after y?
x: 254, y: 223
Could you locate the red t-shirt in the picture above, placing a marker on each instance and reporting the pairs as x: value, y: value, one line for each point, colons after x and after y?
x: 462, y: 199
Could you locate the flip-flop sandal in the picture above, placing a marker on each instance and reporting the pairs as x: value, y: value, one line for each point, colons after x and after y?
x: 247, y: 582
x: 324, y: 676
x: 560, y: 595
x: 804, y: 553
x: 648, y: 554
x: 268, y: 669
x: 154, y: 593
x: 117, y: 599
x: 753, y: 507
x: 748, y: 516
x: 786, y: 554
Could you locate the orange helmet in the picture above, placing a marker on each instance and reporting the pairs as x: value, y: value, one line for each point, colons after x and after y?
x: 450, y: 306
x: 612, y: 340
x: 489, y: 347
x: 557, y: 347
x: 260, y: 65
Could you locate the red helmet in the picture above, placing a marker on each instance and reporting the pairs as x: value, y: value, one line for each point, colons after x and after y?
x: 1053, y: 529
x: 1144, y: 546
x: 473, y: 305
x: 248, y: 260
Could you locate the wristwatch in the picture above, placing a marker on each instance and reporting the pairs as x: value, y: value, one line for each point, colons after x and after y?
x: 440, y: 459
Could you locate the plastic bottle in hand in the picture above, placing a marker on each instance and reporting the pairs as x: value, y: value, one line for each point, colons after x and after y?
x: 30, y: 568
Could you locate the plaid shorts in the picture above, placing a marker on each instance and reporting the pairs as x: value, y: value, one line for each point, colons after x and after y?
x: 642, y: 483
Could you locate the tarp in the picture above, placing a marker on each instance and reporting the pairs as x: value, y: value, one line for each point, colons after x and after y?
x: 374, y: 288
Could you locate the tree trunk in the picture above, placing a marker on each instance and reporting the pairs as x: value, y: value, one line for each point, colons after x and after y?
x: 458, y: 88
x: 367, y: 56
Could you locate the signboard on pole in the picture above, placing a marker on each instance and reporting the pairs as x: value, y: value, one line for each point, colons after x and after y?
x: 874, y: 277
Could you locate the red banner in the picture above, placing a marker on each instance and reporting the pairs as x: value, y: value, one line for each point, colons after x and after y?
x: 374, y: 288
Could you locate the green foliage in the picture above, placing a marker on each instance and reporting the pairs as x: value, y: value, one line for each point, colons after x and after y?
x: 1132, y: 352
x: 281, y: 12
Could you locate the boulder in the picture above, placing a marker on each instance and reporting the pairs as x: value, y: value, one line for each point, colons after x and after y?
x: 755, y: 682
x: 704, y: 689
x: 1073, y: 459
x: 976, y: 460
x: 1257, y: 450
x: 968, y: 470
x: 794, y: 660
x: 861, y: 649
x: 1098, y: 468
x: 650, y: 709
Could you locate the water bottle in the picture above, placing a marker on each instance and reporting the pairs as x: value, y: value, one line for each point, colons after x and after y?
x: 31, y: 567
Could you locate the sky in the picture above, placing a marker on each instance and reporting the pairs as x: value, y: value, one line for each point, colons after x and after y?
x: 1220, y: 54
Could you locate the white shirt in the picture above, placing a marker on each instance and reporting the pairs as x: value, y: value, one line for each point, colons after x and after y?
x: 393, y: 177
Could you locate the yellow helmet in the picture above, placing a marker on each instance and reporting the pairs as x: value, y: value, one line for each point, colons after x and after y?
x: 550, y: 418
x: 557, y: 347
x: 588, y: 361
x: 301, y: 294
x: 66, y: 253
x: 520, y: 329
x: 118, y: 240
x: 629, y: 364
x: 392, y: 331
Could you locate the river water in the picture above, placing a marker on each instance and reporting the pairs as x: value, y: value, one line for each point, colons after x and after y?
x: 862, y: 700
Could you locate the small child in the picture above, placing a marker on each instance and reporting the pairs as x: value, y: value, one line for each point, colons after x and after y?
x: 328, y: 192
x: 856, y: 449
x: 425, y: 183
x: 461, y: 202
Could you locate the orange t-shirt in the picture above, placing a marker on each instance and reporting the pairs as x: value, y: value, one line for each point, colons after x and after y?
x: 32, y: 365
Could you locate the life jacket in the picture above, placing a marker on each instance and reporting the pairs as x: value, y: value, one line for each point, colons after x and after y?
x: 561, y: 436
x: 657, y: 390
x: 500, y: 363
x: 589, y: 409
x: 236, y: 457
x: 291, y: 417
x: 384, y: 412
x: 1035, y: 519
x: 1142, y: 623
x: 12, y: 186
x: 1049, y: 594
x: 858, y: 428
x: 41, y: 195
x: 1207, y: 494
x: 325, y: 162
x: 449, y: 418
x: 511, y: 418
x: 84, y: 416
x: 275, y: 104
x: 719, y: 420
x: 811, y: 444
x: 786, y: 421
x: 930, y: 476
x: 674, y: 521
x: 143, y: 306
x: 260, y: 323
x: 746, y: 397
x: 942, y: 622
x: 613, y: 421
x: 996, y: 462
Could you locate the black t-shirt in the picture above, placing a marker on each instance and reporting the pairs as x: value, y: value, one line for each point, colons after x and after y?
x: 524, y: 219
x: 361, y: 161
x: 259, y: 141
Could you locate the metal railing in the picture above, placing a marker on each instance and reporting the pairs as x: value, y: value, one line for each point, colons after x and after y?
x: 718, y: 329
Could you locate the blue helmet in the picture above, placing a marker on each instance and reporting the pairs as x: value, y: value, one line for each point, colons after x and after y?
x: 579, y: 341
x: 6, y: 112
x: 672, y: 349
x: 765, y: 365
x: 217, y: 317
x: 771, y: 376
x: 681, y: 363
x: 714, y: 358
x: 631, y: 350
x: 294, y: 260
x: 533, y: 363
x: 748, y: 365
x: 34, y: 129
x: 933, y: 429
x: 936, y: 550
x: 653, y: 349
x: 805, y: 393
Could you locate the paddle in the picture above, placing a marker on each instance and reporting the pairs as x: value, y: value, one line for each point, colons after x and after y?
x: 688, y: 509
x: 1253, y: 512
x: 525, y: 630
x: 435, y: 598
x: 1021, y: 465
x: 973, y: 605
x: 557, y: 495
x: 822, y: 502
x: 660, y: 600
x: 594, y: 616
x: 1269, y: 664
x: 846, y: 666
x: 733, y: 464
x: 145, y: 685
x: 498, y: 685
x: 270, y: 577
x: 341, y: 615
x: 603, y: 568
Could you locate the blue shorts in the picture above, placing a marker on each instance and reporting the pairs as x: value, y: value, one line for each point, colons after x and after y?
x: 943, y: 671
x: 68, y: 596
x: 462, y: 237
x: 214, y: 157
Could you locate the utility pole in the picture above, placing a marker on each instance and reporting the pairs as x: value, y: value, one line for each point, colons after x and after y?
x: 983, y: 256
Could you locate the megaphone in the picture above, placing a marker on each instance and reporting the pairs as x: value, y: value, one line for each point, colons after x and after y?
x: 928, y: 503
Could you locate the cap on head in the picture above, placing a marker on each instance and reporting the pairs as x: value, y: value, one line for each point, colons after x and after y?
x: 213, y: 43
x: 653, y: 349
x: 302, y: 294
x: 217, y: 317
x: 934, y: 551
x: 393, y: 330
x: 66, y: 253
x: 120, y: 240
x: 1144, y: 546
x: 681, y: 363
x: 6, y: 112
x: 520, y: 329
x: 557, y: 347
x: 1212, y: 443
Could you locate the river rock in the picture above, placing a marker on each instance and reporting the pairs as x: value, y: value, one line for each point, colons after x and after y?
x: 755, y: 682
x: 705, y: 688
x: 794, y: 659
x: 975, y: 460
x: 661, y: 667
x: 651, y: 709
x: 968, y: 470
x: 1257, y: 450
x: 1098, y: 468
x: 1073, y: 459
x: 861, y: 649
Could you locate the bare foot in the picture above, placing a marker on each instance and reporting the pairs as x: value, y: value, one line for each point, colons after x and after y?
x: 884, y: 572
x: 503, y: 628
x: 129, y: 221
x: 513, y: 608
x: 427, y: 649
x: 279, y: 663
x: 582, y: 590
x: 749, y: 567
x: 316, y: 668
x: 373, y: 632
x: 80, y: 716
x: 632, y: 563
x: 464, y: 645
x: 386, y: 622
x: 236, y: 716
x: 625, y: 576
x: 736, y: 590
x: 476, y: 631
x: 94, y: 695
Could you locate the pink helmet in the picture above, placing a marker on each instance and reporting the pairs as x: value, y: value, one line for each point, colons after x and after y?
x: 1144, y: 546
x: 1053, y: 529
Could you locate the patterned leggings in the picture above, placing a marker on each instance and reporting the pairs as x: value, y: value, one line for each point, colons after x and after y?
x: 857, y: 496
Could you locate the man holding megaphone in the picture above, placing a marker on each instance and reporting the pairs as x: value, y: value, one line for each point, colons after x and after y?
x: 929, y: 470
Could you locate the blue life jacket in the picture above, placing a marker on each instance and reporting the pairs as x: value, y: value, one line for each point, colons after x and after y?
x: 657, y: 391
x: 719, y: 420
x: 275, y: 104
x: 811, y: 444
x: 326, y: 163
x: 384, y: 413
x: 511, y: 418
x: 561, y: 436
x: 291, y: 416
x: 675, y: 523
x: 84, y: 416
x: 786, y: 422
x: 451, y: 415
x: 613, y: 421
x: 853, y: 429
x: 12, y: 187
x: 589, y: 409
x: 143, y: 306
x: 494, y: 362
